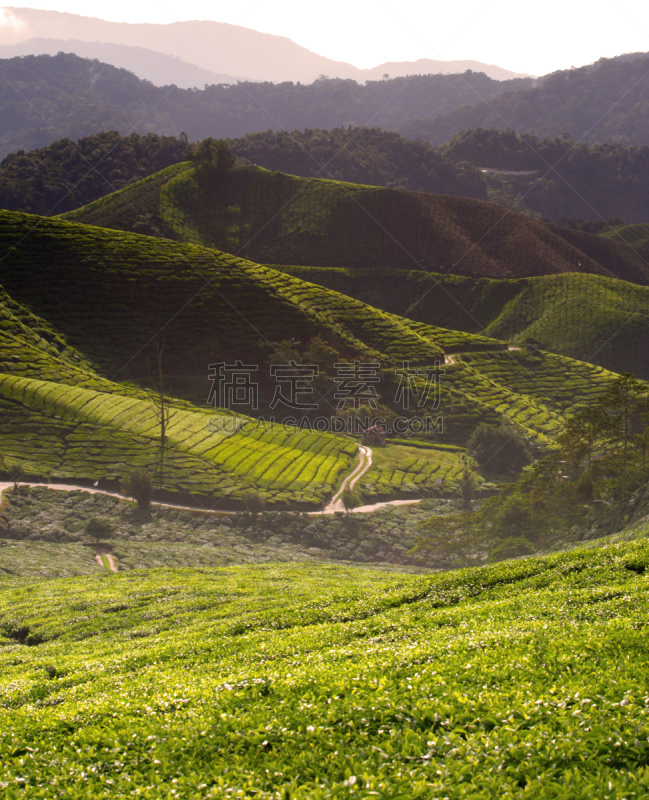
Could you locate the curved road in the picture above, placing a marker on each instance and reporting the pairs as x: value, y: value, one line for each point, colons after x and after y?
x: 364, y: 463
x: 334, y: 505
x: 449, y: 359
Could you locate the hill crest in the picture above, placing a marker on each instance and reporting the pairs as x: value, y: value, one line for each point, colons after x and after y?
x: 270, y: 217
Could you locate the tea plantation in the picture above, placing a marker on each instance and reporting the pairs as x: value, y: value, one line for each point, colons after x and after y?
x: 526, y: 679
x: 110, y: 293
x: 532, y: 392
x: 271, y: 217
x: 588, y: 317
x: 400, y: 470
x: 60, y: 432
x: 82, y: 307
x: 634, y: 235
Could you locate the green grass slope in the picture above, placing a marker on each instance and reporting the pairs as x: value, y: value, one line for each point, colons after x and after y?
x: 526, y: 679
x: 271, y: 217
x: 587, y: 317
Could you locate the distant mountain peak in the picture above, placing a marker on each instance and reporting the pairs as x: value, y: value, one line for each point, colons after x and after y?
x: 240, y: 52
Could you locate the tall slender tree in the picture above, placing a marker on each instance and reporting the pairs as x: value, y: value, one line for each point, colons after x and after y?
x: 623, y: 403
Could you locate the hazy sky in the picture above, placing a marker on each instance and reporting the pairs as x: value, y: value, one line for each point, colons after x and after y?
x: 533, y: 37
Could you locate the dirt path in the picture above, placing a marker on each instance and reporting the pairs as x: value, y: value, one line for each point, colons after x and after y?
x: 69, y: 487
x: 449, y: 360
x: 112, y: 566
x: 364, y: 463
x: 334, y: 505
x: 376, y: 506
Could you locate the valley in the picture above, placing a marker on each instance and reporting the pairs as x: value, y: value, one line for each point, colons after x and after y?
x: 324, y: 455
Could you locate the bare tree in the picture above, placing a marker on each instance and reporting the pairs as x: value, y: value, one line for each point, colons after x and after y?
x: 16, y: 474
x: 160, y: 403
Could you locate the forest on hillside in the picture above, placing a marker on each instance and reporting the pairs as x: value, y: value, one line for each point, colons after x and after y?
x: 45, y: 98
x: 558, y: 177
x: 66, y: 174
x: 606, y: 101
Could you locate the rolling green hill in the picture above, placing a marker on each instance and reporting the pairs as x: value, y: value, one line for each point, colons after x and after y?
x: 587, y: 317
x: 635, y: 235
x: 104, y: 295
x: 270, y: 217
x: 524, y: 679
x: 66, y: 174
x: 109, y: 293
x: 100, y: 297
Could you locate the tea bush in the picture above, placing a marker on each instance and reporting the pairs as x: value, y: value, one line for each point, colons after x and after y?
x: 524, y: 679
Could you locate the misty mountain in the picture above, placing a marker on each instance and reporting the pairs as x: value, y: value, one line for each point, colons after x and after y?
x: 217, y: 47
x: 45, y: 98
x: 160, y: 69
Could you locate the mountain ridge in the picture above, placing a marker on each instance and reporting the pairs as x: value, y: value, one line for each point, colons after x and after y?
x: 45, y: 98
x: 593, y: 104
x: 241, y: 51
x: 160, y: 69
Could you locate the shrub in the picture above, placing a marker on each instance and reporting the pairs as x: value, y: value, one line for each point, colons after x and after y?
x: 517, y: 517
x: 216, y: 155
x: 253, y: 502
x: 468, y: 486
x: 350, y: 499
x: 498, y: 449
x: 138, y: 484
x: 99, y: 528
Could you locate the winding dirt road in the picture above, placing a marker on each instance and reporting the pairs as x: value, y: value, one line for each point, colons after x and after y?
x: 364, y: 463
x: 334, y: 505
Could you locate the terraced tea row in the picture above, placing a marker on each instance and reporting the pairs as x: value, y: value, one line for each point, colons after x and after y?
x: 534, y: 393
x: 588, y: 317
x: 400, y: 471
x: 69, y: 433
x: 110, y: 293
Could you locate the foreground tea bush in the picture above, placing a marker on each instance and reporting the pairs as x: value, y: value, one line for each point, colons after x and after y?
x: 526, y: 679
